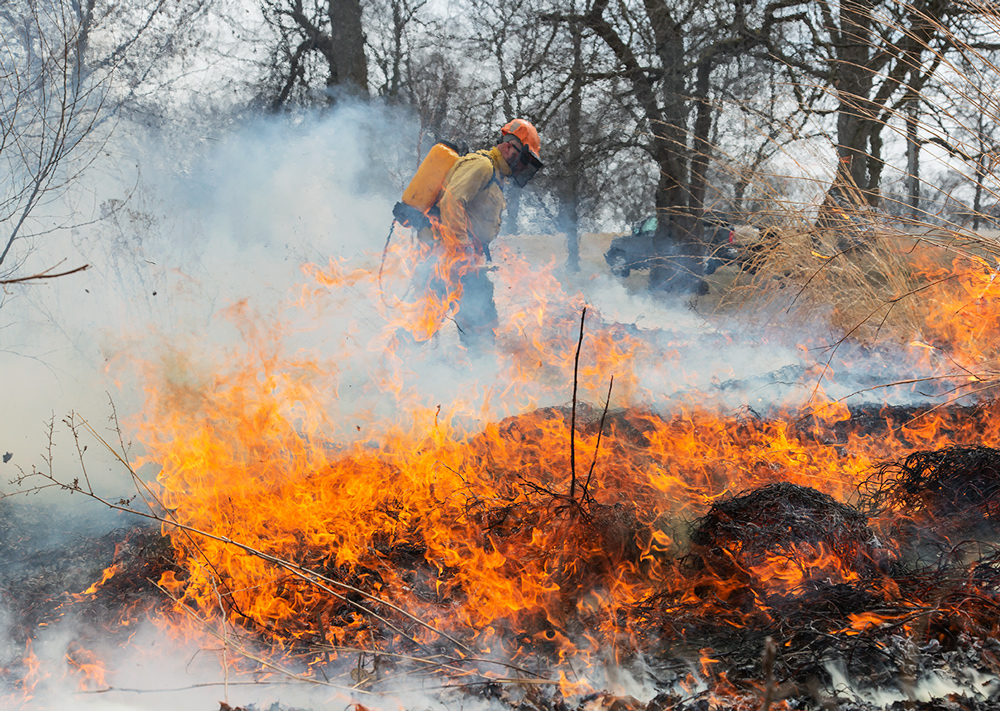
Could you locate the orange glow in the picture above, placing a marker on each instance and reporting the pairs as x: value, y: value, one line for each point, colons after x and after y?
x: 89, y: 667
x: 31, y: 675
x: 963, y: 309
x: 864, y: 621
x: 109, y: 573
x: 787, y: 572
x: 484, y: 522
x: 483, y: 514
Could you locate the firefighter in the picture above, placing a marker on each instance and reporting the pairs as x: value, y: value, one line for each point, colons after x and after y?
x: 469, y: 213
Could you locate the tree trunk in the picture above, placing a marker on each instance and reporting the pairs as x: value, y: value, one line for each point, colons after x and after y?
x: 855, y: 112
x: 702, y: 143
x: 913, y: 154
x: 85, y: 21
x: 983, y: 145
x: 572, y: 195
x: 665, y: 107
x: 348, y: 65
x: 398, y: 26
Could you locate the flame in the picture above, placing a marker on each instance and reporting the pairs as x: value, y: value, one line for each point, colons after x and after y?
x: 484, y: 518
x: 864, y: 621
x: 496, y: 523
x: 31, y: 676
x: 88, y: 666
x: 787, y: 572
x: 962, y: 310
x: 492, y: 521
x: 108, y: 573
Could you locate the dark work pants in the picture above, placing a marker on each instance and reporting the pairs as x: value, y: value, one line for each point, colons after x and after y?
x: 477, y: 314
x: 476, y: 317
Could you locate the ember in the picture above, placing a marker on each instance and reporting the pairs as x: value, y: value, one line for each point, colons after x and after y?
x: 785, y: 535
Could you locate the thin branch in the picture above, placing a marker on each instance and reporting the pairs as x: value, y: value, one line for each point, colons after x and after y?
x: 572, y: 420
x: 44, y: 275
x: 597, y: 446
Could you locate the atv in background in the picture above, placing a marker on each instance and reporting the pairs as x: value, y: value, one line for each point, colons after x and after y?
x: 721, y: 241
x: 634, y: 250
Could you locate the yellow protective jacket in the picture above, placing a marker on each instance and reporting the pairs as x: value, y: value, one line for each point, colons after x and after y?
x: 472, y: 200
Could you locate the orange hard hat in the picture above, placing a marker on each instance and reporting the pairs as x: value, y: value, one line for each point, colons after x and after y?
x: 525, y: 133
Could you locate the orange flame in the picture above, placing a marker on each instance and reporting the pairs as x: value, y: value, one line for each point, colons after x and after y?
x: 518, y: 528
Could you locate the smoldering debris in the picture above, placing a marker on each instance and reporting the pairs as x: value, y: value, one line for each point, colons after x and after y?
x: 52, y: 575
x: 776, y: 592
x: 956, y: 487
x: 780, y: 519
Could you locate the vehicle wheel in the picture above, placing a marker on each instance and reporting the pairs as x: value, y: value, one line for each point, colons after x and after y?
x: 618, y: 263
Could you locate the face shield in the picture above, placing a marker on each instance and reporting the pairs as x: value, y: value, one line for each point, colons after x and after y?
x: 525, y: 166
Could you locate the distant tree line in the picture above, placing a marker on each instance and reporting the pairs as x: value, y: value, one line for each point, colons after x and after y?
x: 677, y: 106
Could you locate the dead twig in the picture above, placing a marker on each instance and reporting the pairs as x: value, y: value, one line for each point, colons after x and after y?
x: 572, y: 419
x: 767, y: 664
x: 44, y: 275
x: 597, y: 446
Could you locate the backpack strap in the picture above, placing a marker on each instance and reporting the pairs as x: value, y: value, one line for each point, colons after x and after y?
x: 494, y: 179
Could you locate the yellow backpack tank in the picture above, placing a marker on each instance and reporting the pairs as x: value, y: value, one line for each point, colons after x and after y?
x: 425, y: 187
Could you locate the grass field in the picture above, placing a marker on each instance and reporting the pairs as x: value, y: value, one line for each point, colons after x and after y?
x: 890, y: 284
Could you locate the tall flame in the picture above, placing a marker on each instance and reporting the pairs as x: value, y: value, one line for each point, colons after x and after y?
x: 496, y: 522
x: 429, y: 512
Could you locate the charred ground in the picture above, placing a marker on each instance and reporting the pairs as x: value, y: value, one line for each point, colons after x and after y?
x: 918, y: 595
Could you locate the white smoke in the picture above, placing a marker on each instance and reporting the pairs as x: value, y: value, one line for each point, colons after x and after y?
x: 177, y: 232
x: 177, y: 228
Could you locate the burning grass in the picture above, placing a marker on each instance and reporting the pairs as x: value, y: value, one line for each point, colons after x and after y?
x: 880, y: 283
x: 502, y: 564
x: 719, y: 590
x: 539, y: 550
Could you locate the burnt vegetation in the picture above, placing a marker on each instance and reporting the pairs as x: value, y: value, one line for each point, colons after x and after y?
x: 897, y: 586
x: 751, y: 598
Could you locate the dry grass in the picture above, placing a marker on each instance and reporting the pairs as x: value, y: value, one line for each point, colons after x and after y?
x: 893, y: 284
x: 884, y: 285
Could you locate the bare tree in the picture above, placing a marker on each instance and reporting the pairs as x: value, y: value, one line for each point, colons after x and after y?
x: 964, y: 124
x: 754, y: 123
x: 49, y: 118
x: 68, y: 68
x: 870, y: 57
x: 391, y: 46
x: 574, y: 118
x: 669, y: 53
x: 319, y: 51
